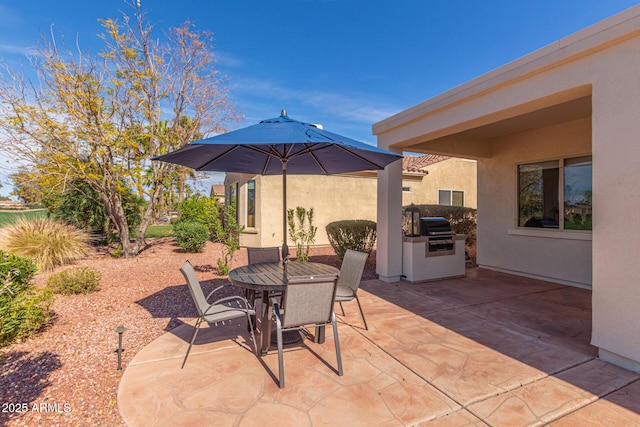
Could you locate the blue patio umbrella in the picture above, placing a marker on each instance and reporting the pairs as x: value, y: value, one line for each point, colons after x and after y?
x: 280, y: 146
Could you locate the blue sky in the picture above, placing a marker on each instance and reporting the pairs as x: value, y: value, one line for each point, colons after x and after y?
x: 343, y: 63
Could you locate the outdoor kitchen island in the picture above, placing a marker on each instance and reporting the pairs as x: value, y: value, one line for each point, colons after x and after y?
x: 420, y: 265
x: 430, y: 248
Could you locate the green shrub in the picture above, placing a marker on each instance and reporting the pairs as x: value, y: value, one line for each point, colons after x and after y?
x: 24, y: 314
x: 15, y: 273
x: 357, y: 234
x: 203, y: 210
x: 191, y: 236
x: 463, y: 220
x: 23, y: 308
x: 48, y: 243
x: 81, y: 280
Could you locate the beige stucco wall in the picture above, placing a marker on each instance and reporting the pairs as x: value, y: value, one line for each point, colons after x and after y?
x: 452, y: 174
x: 332, y: 198
x: 335, y: 198
x: 548, y: 254
x: 602, y: 62
x: 616, y: 173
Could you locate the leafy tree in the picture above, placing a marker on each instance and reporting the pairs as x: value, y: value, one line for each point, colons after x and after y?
x: 26, y: 187
x: 81, y: 206
x: 100, y: 119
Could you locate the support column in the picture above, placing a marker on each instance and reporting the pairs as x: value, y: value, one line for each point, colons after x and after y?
x: 389, y: 223
x: 616, y: 223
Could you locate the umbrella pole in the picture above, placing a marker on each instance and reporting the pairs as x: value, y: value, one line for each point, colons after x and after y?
x: 285, y: 248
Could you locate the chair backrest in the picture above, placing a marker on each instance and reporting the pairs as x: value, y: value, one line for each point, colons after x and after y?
x: 194, y: 288
x: 258, y: 255
x: 308, y: 301
x: 352, y: 268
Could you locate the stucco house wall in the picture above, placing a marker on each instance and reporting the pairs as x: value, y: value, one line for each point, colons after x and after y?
x: 332, y: 198
x: 538, y: 107
x: 452, y: 174
x: 340, y: 197
x: 548, y: 254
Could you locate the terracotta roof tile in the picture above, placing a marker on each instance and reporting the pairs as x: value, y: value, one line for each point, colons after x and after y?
x: 418, y: 163
x: 218, y: 189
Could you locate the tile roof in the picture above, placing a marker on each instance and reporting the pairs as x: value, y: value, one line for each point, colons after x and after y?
x: 418, y: 163
x: 218, y: 189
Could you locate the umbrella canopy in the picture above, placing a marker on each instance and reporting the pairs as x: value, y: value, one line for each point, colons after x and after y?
x: 280, y: 146
x: 262, y: 149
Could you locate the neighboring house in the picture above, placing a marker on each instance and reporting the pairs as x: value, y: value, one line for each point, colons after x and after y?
x: 12, y: 205
x: 425, y: 179
x: 449, y: 181
x: 218, y: 191
x: 556, y: 136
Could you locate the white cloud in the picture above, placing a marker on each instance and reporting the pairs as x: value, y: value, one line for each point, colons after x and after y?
x: 12, y: 49
x: 227, y: 59
x: 361, y: 108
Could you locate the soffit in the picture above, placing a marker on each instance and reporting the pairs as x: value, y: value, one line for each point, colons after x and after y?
x: 474, y: 142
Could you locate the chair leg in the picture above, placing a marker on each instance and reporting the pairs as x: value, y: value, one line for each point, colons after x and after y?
x: 250, y: 296
x: 253, y: 334
x: 280, y: 355
x: 362, y: 313
x: 336, y: 341
x: 193, y: 338
x: 341, y: 307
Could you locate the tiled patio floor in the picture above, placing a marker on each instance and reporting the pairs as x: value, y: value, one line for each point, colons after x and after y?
x: 486, y: 349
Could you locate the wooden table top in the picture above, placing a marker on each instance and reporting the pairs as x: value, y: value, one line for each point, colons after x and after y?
x: 271, y: 275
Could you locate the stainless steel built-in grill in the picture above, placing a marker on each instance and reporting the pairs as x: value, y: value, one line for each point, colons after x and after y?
x: 440, y: 237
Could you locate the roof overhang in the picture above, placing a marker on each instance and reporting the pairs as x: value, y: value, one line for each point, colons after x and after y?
x: 472, y: 139
x: 514, y: 98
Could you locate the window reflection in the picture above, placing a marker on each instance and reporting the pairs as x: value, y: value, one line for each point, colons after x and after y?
x: 539, y: 195
x: 577, y: 193
x: 251, y: 204
x: 538, y: 201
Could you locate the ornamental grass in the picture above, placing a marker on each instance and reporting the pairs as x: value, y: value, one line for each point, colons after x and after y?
x: 48, y: 243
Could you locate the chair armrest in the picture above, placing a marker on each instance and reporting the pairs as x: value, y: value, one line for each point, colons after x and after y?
x: 217, y: 289
x: 221, y: 300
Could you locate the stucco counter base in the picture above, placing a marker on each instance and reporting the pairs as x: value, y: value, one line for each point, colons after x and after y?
x: 416, y: 267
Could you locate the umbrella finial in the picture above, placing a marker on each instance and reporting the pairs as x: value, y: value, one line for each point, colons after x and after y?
x: 283, y: 113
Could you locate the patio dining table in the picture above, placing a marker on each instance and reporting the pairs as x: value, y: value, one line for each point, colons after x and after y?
x: 272, y: 276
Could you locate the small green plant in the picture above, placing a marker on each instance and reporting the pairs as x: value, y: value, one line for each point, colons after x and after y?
x: 228, y: 233
x: 81, y: 280
x: 191, y: 236
x: 48, y: 243
x: 24, y: 309
x: 223, y: 267
x: 358, y: 235
x: 302, y: 231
